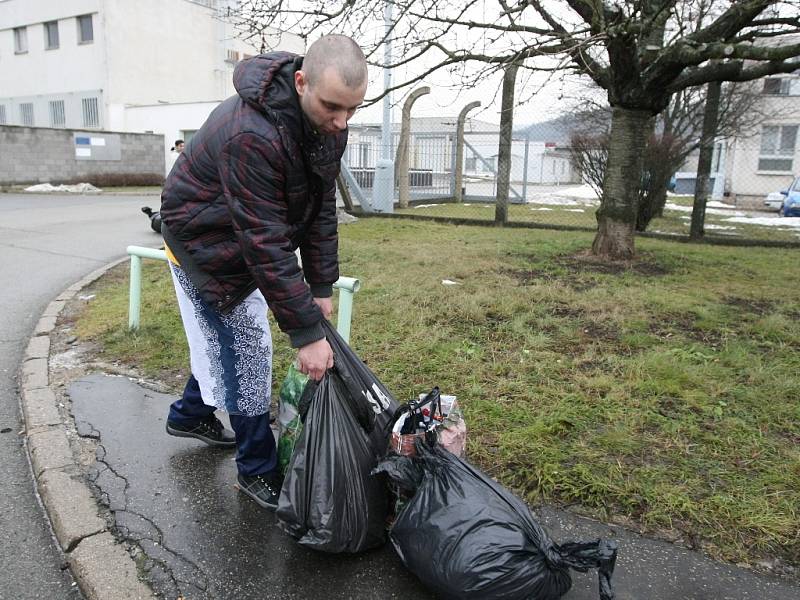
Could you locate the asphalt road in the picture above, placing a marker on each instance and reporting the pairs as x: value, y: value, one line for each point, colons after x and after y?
x: 47, y: 242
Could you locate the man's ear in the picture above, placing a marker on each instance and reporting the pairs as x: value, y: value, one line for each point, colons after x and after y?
x: 300, y: 82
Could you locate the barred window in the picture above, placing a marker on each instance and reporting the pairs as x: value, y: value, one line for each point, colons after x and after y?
x: 2, y: 114
x: 51, y: 35
x: 26, y: 113
x: 57, y: 118
x: 91, y: 113
x: 778, y: 144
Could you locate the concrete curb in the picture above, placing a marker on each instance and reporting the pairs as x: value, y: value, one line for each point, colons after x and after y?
x: 101, y: 566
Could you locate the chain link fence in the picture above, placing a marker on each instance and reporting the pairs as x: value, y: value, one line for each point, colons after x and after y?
x: 547, y: 189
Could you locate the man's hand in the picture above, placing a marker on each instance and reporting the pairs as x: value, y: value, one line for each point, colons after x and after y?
x: 325, y: 305
x: 315, y: 358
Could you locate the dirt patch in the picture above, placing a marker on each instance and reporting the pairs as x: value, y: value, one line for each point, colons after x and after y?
x: 603, y: 332
x: 578, y: 271
x: 683, y: 324
x: 564, y: 310
x: 585, y: 262
x: 749, y: 305
x: 494, y: 320
x: 670, y: 325
x: 528, y: 276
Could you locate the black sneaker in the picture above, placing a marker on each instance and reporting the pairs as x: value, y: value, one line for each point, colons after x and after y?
x: 265, y: 489
x: 210, y: 430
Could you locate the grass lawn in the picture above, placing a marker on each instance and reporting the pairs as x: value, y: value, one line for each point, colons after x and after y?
x: 664, y: 394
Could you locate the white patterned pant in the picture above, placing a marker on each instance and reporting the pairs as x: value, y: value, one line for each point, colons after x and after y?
x: 230, y: 354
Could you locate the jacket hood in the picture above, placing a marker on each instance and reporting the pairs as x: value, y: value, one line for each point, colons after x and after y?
x: 267, y: 80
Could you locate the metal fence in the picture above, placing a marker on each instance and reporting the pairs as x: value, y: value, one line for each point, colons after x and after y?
x: 547, y: 189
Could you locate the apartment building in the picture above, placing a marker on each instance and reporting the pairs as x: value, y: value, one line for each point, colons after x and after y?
x: 119, y: 65
x: 767, y: 158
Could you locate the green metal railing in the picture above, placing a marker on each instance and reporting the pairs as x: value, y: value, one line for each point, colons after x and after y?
x: 347, y: 286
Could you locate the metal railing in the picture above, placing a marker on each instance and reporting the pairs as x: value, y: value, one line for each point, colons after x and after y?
x: 347, y: 286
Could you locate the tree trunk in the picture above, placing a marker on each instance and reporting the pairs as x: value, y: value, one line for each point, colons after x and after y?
x: 701, y: 187
x: 504, y: 150
x: 616, y: 217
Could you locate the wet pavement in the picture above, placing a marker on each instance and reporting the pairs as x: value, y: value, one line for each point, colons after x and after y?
x: 47, y: 243
x: 203, y: 539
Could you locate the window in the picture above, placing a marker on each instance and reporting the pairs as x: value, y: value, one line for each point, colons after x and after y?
x: 2, y: 114
x: 776, y: 86
x: 51, y: 35
x: 91, y: 115
x: 232, y: 56
x: 20, y: 40
x: 57, y: 118
x: 26, y: 113
x: 777, y: 147
x: 85, y: 30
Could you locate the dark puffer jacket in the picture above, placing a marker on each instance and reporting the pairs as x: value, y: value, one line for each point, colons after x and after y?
x: 252, y: 185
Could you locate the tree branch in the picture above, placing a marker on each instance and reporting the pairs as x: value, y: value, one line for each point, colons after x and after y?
x: 731, y: 71
x: 733, y: 20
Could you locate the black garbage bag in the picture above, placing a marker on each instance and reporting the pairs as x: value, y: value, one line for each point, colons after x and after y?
x: 329, y: 500
x: 155, y: 218
x: 467, y: 537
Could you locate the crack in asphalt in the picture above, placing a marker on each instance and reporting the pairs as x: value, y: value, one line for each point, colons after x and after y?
x: 197, y: 579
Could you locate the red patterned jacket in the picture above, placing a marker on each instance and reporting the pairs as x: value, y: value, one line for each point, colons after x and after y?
x: 251, y: 186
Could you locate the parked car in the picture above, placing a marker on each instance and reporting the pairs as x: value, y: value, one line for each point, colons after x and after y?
x: 773, y: 201
x: 791, y: 202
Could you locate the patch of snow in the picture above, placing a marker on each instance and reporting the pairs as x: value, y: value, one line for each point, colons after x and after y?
x: 543, y: 208
x: 78, y: 188
x: 449, y: 282
x: 780, y: 222
x: 426, y: 205
x: 582, y: 195
x: 584, y: 191
x: 553, y: 200
x: 719, y: 227
x: 709, y: 211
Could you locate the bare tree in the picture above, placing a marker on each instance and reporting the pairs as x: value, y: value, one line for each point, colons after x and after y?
x: 677, y: 135
x: 640, y: 51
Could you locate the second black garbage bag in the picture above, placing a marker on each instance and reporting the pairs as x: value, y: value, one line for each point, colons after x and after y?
x: 467, y: 537
x: 330, y: 501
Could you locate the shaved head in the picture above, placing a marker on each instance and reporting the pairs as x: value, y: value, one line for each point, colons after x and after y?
x: 340, y: 53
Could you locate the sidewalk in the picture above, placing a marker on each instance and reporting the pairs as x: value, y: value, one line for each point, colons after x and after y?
x: 188, y: 532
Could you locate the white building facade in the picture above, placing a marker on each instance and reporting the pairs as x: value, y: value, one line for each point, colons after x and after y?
x: 767, y: 159
x: 156, y: 66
